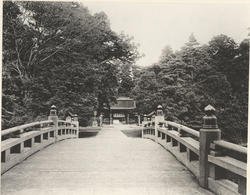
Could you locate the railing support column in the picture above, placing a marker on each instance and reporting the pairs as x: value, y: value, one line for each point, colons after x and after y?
x: 189, y: 155
x: 159, y: 118
x: 144, y: 123
x: 242, y: 185
x: 208, y: 134
x: 53, y: 116
x: 7, y: 155
x: 215, y: 172
x: 76, y: 122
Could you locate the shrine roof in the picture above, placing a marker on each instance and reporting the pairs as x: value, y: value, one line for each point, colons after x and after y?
x: 124, y: 103
x: 122, y: 108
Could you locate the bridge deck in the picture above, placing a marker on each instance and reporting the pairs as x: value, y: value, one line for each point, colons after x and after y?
x: 110, y: 163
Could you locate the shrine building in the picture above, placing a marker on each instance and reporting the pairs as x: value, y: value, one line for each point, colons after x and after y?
x: 122, y: 111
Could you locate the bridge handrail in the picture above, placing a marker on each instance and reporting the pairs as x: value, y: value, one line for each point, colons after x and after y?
x: 184, y: 128
x: 20, y: 142
x: 17, y: 148
x: 7, y: 144
x: 203, y: 152
x: 22, y: 127
x: 89, y: 127
x: 67, y: 127
x: 231, y: 146
x: 65, y: 122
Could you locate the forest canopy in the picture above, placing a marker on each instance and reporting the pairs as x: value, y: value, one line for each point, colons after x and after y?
x: 186, y: 81
x: 59, y: 53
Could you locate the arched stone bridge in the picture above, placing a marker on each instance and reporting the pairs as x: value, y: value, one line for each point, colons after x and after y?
x: 174, y: 159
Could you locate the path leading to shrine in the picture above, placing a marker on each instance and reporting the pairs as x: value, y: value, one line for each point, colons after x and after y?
x: 110, y: 163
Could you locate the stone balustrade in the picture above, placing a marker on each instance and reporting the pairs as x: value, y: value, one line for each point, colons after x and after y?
x: 20, y: 142
x: 203, y: 152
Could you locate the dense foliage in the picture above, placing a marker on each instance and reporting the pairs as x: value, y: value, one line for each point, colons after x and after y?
x: 186, y: 81
x: 59, y: 53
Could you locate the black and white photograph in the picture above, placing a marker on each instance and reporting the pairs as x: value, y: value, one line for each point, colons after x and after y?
x: 105, y: 97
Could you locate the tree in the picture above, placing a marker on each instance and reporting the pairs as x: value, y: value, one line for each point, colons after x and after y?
x: 166, y: 55
x: 192, y: 42
x: 196, y: 76
x: 223, y: 50
x: 126, y: 82
x: 58, y: 53
x: 238, y: 74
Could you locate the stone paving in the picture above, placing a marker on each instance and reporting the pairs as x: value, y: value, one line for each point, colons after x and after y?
x: 110, y: 163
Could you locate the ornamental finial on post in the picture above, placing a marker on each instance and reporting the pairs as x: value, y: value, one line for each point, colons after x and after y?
x: 159, y: 111
x: 75, y: 117
x: 53, y: 111
x: 210, y: 120
x: 159, y: 116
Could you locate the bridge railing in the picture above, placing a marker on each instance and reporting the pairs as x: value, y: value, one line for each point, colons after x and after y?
x: 220, y: 166
x: 20, y: 142
x: 182, y: 129
x: 24, y: 128
x: 227, y: 163
x: 66, y: 130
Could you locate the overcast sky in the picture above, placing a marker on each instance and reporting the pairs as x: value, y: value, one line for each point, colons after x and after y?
x: 155, y: 25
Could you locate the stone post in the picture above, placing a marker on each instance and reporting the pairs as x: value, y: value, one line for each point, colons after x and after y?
x: 152, y: 119
x: 101, y: 119
x: 69, y: 119
x: 159, y: 118
x: 76, y: 123
x: 144, y: 122
x: 128, y: 118
x: 110, y: 118
x: 94, y: 123
x: 53, y: 116
x: 208, y: 134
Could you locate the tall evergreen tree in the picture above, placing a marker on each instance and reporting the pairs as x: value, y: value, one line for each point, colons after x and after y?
x: 58, y: 53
